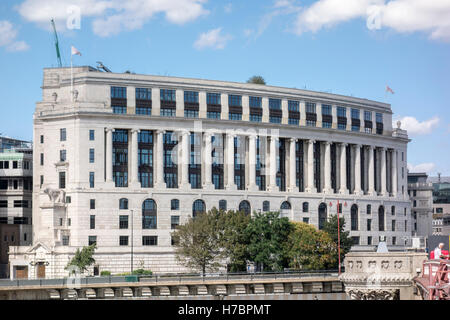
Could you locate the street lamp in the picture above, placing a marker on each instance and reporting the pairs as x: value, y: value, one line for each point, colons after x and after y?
x: 131, y: 242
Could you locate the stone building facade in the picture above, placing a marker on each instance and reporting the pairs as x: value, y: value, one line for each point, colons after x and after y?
x: 141, y: 152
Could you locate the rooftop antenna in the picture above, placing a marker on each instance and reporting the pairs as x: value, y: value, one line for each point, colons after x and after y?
x: 101, y: 66
x: 58, y: 54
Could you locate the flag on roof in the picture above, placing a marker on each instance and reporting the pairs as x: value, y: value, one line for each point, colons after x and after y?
x: 389, y: 90
x: 75, y: 51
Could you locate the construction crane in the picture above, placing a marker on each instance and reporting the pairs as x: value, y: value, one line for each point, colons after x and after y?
x: 58, y: 54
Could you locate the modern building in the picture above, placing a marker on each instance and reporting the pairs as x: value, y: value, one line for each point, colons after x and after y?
x: 15, y: 197
x: 441, y: 205
x: 421, y: 194
x: 138, y: 154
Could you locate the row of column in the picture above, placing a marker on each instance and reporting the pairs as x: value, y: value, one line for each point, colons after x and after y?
x: 272, y: 164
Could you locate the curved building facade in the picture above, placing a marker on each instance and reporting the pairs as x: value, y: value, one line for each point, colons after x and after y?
x: 126, y: 158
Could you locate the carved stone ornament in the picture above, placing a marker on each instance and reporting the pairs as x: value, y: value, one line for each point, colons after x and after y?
x: 350, y: 264
x: 398, y: 264
x: 56, y: 196
x: 372, y: 264
x: 369, y: 294
x: 385, y: 264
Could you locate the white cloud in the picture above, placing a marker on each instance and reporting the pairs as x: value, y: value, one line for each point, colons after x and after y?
x: 212, y: 39
x: 404, y: 16
x: 427, y: 167
x: 8, y: 37
x: 415, y: 127
x: 228, y: 8
x: 112, y: 16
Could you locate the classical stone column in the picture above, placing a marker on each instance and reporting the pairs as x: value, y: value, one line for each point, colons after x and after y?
x: 358, y: 190
x: 252, y: 163
x: 185, y: 152
x: 292, y: 166
x: 383, y: 172
x: 327, y: 185
x: 394, y: 173
x: 208, y: 161
x: 371, y: 173
x: 230, y: 162
x: 310, y: 185
x: 160, y: 160
x: 343, y: 162
x: 273, y: 164
x: 109, y: 157
x: 134, y: 159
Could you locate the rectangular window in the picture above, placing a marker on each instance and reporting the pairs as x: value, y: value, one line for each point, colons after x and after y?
x: 310, y: 107
x: 326, y: 109
x: 190, y: 113
x: 92, y: 222
x: 3, y: 203
x: 42, y: 139
x: 123, y: 240
x: 213, y: 98
x: 293, y: 106
x: 91, y: 179
x: 91, y: 155
x: 91, y: 135
x: 92, y: 204
x: 293, y: 121
x: 369, y: 241
x: 143, y: 94
x: 41, y: 161
x: 255, y: 102
x: 355, y: 113
x: 191, y: 97
x: 167, y: 112
x: 341, y: 112
x: 367, y: 115
x: 393, y: 225
x: 274, y: 104
x: 62, y: 134
x: 274, y: 119
x: 255, y: 118
x: 306, y: 220
x: 213, y: 115
x: 92, y: 240
x: 234, y: 101
x: 62, y: 155
x: 235, y: 116
x: 369, y: 224
x: 123, y: 222
x: 65, y: 240
x: 379, y: 117
x: 62, y: 180
x: 174, y: 221
x: 119, y: 109
x: 168, y: 95
x: 149, y: 240
x: 119, y: 92
x: 42, y: 180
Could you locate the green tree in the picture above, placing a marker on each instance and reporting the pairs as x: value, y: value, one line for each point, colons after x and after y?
x: 331, y: 227
x: 256, y: 80
x: 234, y: 241
x: 82, y: 259
x: 308, y: 248
x: 266, y: 234
x: 198, y: 242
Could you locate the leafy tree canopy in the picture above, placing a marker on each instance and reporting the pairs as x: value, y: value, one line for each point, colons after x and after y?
x: 82, y: 259
x: 256, y: 80
x: 331, y: 227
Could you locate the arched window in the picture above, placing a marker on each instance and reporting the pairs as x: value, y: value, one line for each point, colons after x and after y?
x: 285, y: 206
x: 354, y: 217
x: 305, y: 206
x: 245, y: 206
x: 393, y: 210
x: 223, y: 205
x: 149, y: 214
x: 369, y: 209
x: 198, y: 207
x: 123, y: 204
x: 381, y: 218
x: 174, y: 204
x: 322, y: 215
x: 266, y: 206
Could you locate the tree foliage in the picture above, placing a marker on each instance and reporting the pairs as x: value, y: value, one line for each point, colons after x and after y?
x: 82, y: 259
x: 198, y: 242
x: 308, y: 248
x: 266, y: 234
x: 256, y: 80
x: 234, y: 241
x: 331, y: 227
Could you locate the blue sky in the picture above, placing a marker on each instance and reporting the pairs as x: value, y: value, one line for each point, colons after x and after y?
x: 352, y: 47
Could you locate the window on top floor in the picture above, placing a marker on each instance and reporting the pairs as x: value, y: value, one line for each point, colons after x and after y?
x: 91, y: 135
x: 213, y: 115
x: 234, y: 100
x: 293, y: 121
x: 62, y: 134
x: 255, y: 102
x: 326, y: 109
x: 191, y: 96
x: 255, y: 118
x: 119, y: 92
x: 143, y: 94
x: 379, y: 117
x: 274, y: 119
x: 190, y: 113
x: 168, y: 95
x: 310, y: 107
x: 342, y: 112
x: 213, y: 98
x: 293, y: 106
x: 355, y: 114
x: 119, y: 109
x: 235, y: 116
x: 274, y: 104
x: 367, y: 115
